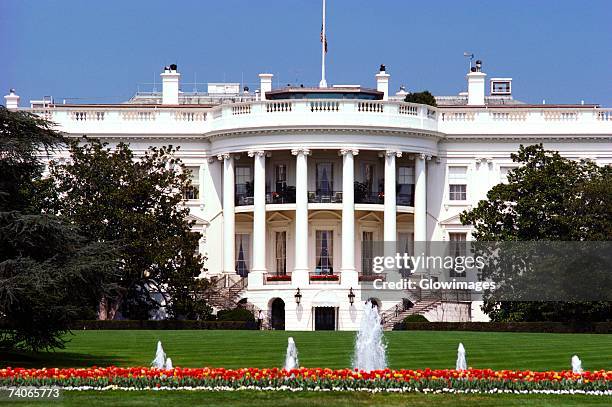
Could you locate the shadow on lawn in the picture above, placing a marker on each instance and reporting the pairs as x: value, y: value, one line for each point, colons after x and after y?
x: 56, y: 359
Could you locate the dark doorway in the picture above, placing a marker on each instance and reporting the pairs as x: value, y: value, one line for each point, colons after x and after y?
x: 278, y: 314
x: 325, y: 319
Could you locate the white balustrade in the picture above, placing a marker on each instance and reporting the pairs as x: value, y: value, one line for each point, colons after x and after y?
x: 241, y: 109
x: 324, y: 106
x: 411, y: 110
x: 279, y: 106
x: 508, y: 116
x: 139, y: 115
x: 369, y: 106
x: 458, y: 116
x: 559, y: 115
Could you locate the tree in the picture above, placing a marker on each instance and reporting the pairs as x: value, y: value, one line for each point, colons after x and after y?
x: 137, y: 203
x: 425, y: 98
x: 49, y: 274
x: 546, y: 198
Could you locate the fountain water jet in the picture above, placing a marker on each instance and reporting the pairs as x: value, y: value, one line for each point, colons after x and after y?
x: 291, y: 359
x: 168, y: 364
x: 461, y: 362
x: 370, y: 347
x: 160, y: 357
x: 576, y: 365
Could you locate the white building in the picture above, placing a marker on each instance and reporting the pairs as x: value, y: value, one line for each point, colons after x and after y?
x: 274, y: 173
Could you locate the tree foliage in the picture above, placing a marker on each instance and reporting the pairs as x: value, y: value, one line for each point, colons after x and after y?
x: 48, y: 272
x: 137, y: 203
x: 547, y: 197
x: 425, y: 98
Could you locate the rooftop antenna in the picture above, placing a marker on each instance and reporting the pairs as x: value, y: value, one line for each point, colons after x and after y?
x: 469, y: 55
x: 323, y: 83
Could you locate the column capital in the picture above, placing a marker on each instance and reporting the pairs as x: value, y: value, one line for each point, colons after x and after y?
x: 298, y: 151
x: 423, y: 156
x: 259, y: 153
x: 390, y: 153
x: 224, y: 156
x: 211, y: 160
x: 346, y: 151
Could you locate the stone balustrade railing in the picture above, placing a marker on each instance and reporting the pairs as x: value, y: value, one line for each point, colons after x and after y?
x: 128, y: 119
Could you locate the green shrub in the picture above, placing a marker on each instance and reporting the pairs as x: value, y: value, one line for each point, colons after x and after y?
x: 415, y: 318
x: 424, y: 98
x: 236, y: 314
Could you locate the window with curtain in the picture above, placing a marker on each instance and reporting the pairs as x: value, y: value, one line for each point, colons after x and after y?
x: 243, y: 254
x: 281, y: 253
x: 458, y: 248
x: 324, y: 248
x: 325, y: 178
x: 280, y: 176
x: 405, y: 244
x: 368, y: 176
x: 367, y: 249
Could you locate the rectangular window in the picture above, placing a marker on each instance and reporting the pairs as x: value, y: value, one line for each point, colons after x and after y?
x: 405, y: 244
x: 243, y: 253
x: 243, y: 179
x: 280, y: 177
x: 280, y: 253
x: 457, y: 182
x: 405, y: 186
x: 457, y: 192
x: 458, y: 248
x: 367, y: 252
x: 193, y: 190
x: 324, y: 249
x: 325, y: 179
x: 368, y: 176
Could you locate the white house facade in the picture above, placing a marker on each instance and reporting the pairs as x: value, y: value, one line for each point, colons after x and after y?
x: 290, y: 184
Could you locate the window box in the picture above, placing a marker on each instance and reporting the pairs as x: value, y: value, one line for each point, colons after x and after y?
x: 283, y: 277
x: 324, y: 277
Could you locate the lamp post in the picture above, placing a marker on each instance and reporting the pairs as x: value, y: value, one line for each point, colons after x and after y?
x: 298, y: 297
x: 351, y: 296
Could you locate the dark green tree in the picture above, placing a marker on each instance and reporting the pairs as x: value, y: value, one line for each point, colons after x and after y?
x: 425, y: 98
x: 49, y: 274
x: 137, y: 203
x: 547, y: 198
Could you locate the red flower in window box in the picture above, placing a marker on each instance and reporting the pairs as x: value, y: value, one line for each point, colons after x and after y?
x: 324, y: 277
x: 284, y: 277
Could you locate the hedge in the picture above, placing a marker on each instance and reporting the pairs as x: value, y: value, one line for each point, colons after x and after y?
x: 544, y: 327
x: 162, y: 324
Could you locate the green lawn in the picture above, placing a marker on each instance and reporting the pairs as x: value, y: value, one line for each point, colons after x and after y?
x: 406, y: 349
x: 250, y: 399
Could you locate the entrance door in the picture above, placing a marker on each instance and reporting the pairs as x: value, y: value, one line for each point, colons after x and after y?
x: 278, y: 314
x: 325, y: 319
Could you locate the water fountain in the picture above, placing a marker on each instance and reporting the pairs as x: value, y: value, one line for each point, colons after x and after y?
x: 576, y: 365
x: 169, y: 364
x: 461, y: 361
x: 370, y: 345
x: 160, y: 357
x: 291, y: 359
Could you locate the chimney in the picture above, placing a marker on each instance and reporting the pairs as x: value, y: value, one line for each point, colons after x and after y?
x: 265, y: 84
x: 11, y: 100
x: 382, y: 82
x: 476, y: 85
x: 170, y: 85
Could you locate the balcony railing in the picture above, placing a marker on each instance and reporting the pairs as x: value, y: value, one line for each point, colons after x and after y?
x: 243, y: 199
x: 373, y: 198
x: 325, y: 196
x: 285, y: 197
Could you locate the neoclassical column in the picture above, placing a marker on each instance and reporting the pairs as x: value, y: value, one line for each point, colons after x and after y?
x: 300, y: 273
x: 259, y: 218
x: 420, y: 197
x: 390, y: 209
x: 229, y: 221
x: 348, y: 214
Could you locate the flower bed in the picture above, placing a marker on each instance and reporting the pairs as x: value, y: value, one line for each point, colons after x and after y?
x: 315, y: 379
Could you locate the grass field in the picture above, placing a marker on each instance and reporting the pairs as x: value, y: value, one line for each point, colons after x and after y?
x: 271, y: 399
x: 406, y: 349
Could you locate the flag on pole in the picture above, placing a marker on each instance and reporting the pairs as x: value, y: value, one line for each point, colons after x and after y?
x: 324, y: 38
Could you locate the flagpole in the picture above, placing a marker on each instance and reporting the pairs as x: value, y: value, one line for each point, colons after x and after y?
x: 323, y: 83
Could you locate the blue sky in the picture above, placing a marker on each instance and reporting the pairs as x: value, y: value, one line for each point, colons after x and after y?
x: 556, y: 50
